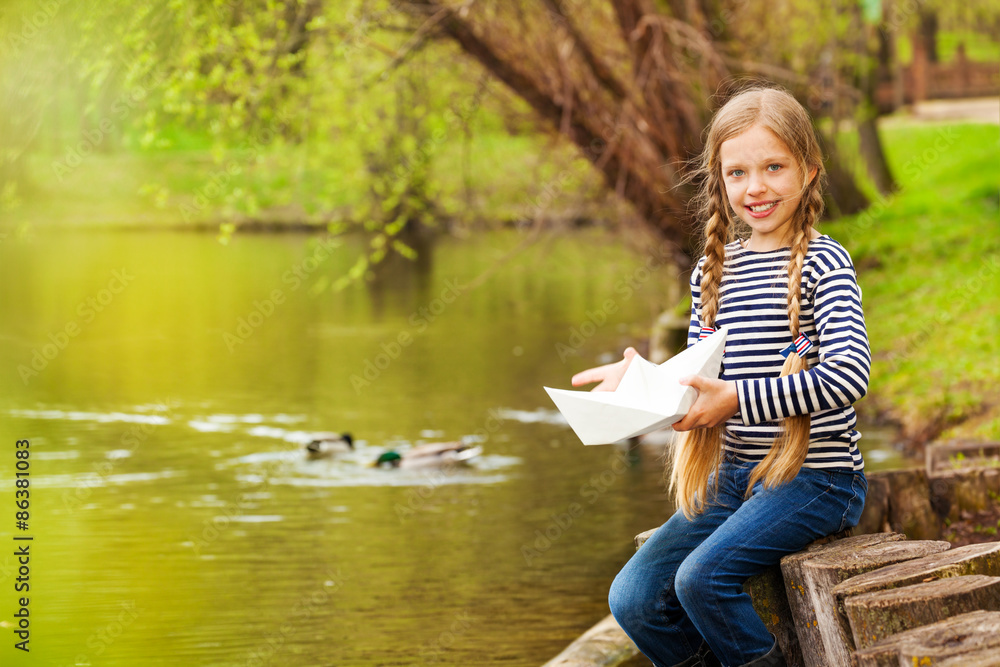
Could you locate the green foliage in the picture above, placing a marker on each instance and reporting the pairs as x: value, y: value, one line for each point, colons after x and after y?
x: 290, y: 109
x: 929, y: 266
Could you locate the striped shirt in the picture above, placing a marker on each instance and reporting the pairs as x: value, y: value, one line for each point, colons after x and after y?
x: 753, y: 309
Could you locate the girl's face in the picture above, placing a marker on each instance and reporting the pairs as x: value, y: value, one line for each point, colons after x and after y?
x: 764, y: 184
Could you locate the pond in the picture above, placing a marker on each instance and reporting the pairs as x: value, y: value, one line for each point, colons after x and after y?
x: 167, y: 383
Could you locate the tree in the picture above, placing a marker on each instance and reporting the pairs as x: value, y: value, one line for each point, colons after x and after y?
x: 635, y: 99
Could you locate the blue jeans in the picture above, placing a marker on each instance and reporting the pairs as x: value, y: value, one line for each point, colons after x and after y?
x: 684, y: 587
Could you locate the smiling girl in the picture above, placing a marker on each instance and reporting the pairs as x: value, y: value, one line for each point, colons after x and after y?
x: 767, y: 459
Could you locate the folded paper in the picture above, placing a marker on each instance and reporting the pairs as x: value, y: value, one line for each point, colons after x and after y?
x: 649, y: 396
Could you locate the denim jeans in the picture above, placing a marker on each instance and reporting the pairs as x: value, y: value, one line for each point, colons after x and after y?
x: 684, y: 587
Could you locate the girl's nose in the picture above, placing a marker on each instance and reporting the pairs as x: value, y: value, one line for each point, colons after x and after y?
x: 755, y: 186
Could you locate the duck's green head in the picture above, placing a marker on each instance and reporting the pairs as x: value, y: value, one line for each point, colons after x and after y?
x: 390, y: 458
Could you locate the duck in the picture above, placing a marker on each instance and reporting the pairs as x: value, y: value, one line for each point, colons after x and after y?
x: 324, y: 445
x: 430, y: 455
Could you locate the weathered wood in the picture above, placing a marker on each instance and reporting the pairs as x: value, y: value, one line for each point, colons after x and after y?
x: 957, y: 491
x: 767, y: 592
x: 641, y: 538
x: 971, y: 633
x: 877, y: 615
x: 875, y: 516
x: 603, y: 645
x: 876, y: 656
x: 961, y: 454
x: 985, y: 657
x: 811, y: 575
x: 961, y: 561
x: 910, y: 509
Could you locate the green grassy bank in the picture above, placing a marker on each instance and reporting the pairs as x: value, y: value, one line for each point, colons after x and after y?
x: 928, y: 260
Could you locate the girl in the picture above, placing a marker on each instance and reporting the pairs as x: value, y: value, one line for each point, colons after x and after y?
x: 767, y: 458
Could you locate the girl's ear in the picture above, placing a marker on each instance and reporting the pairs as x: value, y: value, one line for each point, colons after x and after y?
x: 812, y: 174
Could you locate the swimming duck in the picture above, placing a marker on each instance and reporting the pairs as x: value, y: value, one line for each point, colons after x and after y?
x: 324, y: 445
x: 430, y: 455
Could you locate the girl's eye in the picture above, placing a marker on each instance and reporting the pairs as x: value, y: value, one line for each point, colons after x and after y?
x: 736, y: 172
x: 773, y: 167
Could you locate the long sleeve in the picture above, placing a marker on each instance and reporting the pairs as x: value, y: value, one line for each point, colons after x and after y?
x: 841, y: 376
x: 753, y: 309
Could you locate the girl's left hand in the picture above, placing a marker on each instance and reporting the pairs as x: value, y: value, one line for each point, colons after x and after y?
x: 717, y: 401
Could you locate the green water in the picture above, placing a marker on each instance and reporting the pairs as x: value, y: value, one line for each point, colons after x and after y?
x: 167, y: 382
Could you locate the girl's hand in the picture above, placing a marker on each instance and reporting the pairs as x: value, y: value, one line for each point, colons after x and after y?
x: 609, y: 375
x: 717, y: 401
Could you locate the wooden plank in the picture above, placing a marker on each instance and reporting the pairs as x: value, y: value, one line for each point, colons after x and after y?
x: 953, y: 638
x: 877, y: 615
x: 603, y: 645
x: 961, y: 561
x: 910, y: 509
x: 767, y: 592
x: 811, y: 575
x: 875, y: 516
x: 641, y: 538
x: 961, y: 454
x: 958, y: 491
x: 957, y: 562
x: 984, y: 657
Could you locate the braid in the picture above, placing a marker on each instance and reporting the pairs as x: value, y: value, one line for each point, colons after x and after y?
x: 789, y: 450
x: 800, y: 246
x: 697, y: 453
x: 716, y: 237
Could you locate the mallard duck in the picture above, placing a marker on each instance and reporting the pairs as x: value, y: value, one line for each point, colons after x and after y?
x: 324, y: 445
x: 431, y: 455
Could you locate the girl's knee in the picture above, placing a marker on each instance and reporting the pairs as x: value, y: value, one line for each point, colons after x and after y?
x: 620, y: 598
x: 630, y: 601
x: 685, y: 582
x: 692, y: 582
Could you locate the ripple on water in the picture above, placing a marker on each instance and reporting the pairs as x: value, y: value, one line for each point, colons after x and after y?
x: 54, y: 456
x: 354, y: 469
x: 92, y: 479
x: 98, y: 417
x: 538, y: 416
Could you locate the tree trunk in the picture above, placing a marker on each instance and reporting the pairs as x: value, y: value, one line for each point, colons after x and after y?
x: 928, y: 33
x: 843, y: 196
x: 811, y: 575
x: 875, y: 616
x: 636, y: 106
x: 971, y: 634
x: 870, y: 145
x: 972, y: 559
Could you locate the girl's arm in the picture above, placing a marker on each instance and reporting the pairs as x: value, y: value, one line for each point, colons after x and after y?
x: 840, y: 378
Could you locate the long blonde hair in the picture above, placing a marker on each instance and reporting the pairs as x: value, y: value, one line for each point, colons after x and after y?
x: 698, y: 453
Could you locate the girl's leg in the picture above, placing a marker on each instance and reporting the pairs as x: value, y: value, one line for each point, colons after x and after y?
x: 642, y: 596
x: 771, y: 524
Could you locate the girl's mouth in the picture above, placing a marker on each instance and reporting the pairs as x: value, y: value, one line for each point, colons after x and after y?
x: 761, y: 209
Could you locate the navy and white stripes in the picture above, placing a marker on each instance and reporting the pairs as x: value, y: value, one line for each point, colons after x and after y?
x: 753, y: 308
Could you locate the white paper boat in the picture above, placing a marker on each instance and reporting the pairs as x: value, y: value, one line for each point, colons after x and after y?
x: 648, y: 398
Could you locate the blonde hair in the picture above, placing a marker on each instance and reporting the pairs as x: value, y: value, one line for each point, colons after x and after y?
x: 697, y: 453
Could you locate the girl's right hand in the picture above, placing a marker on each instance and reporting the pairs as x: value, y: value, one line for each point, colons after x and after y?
x: 609, y: 375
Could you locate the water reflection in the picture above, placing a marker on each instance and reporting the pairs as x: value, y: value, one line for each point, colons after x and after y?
x: 177, y: 518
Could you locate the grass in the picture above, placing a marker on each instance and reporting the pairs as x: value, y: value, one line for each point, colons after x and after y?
x: 495, y: 177
x: 928, y: 260
x: 979, y: 47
